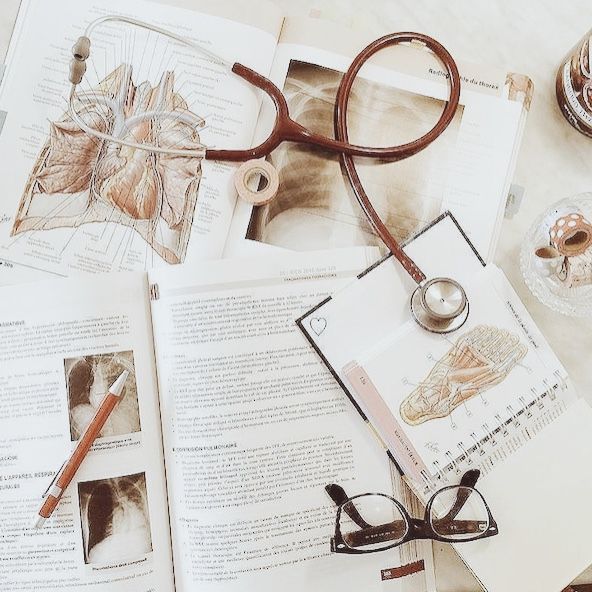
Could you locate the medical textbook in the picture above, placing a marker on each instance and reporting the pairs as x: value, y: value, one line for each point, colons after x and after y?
x: 491, y: 395
x: 210, y: 473
x: 65, y: 207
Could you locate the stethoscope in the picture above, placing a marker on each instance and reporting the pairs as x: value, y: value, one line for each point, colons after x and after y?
x: 440, y: 304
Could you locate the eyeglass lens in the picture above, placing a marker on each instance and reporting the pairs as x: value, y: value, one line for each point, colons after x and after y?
x: 459, y: 514
x: 372, y: 522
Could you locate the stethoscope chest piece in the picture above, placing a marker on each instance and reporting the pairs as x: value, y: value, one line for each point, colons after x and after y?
x: 440, y: 305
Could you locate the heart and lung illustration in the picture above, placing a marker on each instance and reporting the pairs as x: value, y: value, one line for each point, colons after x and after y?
x: 78, y: 178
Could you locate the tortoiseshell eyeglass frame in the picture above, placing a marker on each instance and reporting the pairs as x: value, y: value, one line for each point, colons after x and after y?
x: 410, y: 529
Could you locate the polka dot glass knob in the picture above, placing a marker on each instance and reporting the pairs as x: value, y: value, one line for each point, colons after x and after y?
x: 556, y: 257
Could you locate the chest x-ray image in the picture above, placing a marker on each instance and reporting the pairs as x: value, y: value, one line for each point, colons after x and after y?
x: 88, y: 379
x: 314, y: 208
x: 115, y: 519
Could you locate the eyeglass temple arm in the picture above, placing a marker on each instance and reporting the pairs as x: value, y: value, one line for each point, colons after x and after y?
x: 339, y: 497
x: 286, y: 129
x: 468, y: 481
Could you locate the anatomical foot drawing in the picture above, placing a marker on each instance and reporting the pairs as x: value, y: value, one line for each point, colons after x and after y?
x: 78, y: 179
x: 479, y: 360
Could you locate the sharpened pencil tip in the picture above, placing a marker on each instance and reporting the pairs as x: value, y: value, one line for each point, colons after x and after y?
x: 39, y: 522
x: 117, y: 387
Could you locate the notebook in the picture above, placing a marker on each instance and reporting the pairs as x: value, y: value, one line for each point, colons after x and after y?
x: 491, y: 396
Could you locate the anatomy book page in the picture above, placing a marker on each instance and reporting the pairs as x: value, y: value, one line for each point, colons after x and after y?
x: 397, y: 97
x: 76, y: 202
x: 255, y: 427
x: 435, y: 397
x: 62, y: 345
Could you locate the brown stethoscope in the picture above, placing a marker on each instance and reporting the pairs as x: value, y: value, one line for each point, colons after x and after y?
x: 440, y: 304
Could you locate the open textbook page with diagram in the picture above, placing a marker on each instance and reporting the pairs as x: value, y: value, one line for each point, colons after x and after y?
x: 59, y: 354
x: 491, y: 395
x: 214, y: 463
x: 397, y: 97
x: 72, y: 202
x: 439, y: 397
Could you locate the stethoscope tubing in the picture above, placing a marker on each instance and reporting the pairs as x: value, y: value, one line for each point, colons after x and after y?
x: 148, y: 27
x: 341, y: 132
x: 285, y: 128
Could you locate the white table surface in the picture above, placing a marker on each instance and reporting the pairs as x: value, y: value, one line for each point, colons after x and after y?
x: 555, y: 161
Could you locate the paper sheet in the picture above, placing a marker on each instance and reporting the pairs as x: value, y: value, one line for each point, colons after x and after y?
x: 71, y: 203
x: 255, y: 427
x: 62, y: 345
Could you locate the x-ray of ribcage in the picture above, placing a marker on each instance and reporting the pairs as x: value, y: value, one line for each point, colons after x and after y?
x: 88, y: 379
x: 315, y: 207
x: 115, y: 519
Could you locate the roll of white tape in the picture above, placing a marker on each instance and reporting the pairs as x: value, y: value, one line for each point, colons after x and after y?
x: 248, y: 174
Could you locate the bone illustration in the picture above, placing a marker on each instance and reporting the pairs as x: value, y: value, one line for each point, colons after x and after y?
x: 520, y: 88
x: 479, y: 360
x: 78, y: 179
x: 115, y: 519
x: 314, y: 207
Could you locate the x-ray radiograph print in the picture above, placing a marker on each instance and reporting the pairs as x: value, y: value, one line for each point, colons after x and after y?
x: 115, y: 519
x: 314, y: 208
x: 88, y: 379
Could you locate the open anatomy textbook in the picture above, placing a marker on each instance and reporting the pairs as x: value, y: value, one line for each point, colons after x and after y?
x: 491, y: 395
x: 210, y: 473
x: 75, y: 203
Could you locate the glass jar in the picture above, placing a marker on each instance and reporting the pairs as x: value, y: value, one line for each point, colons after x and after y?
x: 574, y: 86
x: 556, y: 256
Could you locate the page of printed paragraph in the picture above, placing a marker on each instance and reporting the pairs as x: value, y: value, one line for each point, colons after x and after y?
x: 76, y: 202
x: 63, y: 343
x: 255, y: 427
x: 397, y: 97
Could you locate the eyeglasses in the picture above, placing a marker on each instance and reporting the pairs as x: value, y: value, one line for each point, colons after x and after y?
x: 373, y: 522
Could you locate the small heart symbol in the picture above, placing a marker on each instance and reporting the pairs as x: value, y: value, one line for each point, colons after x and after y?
x: 318, y: 325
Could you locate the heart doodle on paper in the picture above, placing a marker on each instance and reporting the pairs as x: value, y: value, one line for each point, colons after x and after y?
x: 318, y: 325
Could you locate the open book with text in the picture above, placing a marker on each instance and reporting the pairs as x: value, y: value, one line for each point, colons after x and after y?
x: 210, y: 473
x: 70, y: 204
x: 491, y: 395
